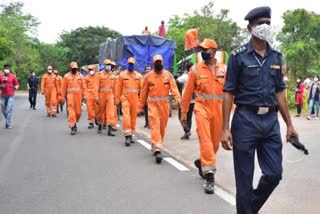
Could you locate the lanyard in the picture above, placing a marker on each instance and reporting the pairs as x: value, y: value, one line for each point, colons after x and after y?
x: 261, y: 64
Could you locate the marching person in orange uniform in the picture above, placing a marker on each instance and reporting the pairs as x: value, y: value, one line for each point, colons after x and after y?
x: 191, y: 39
x: 128, y: 88
x: 155, y: 89
x: 74, y: 87
x: 116, y: 106
x: 105, y: 83
x: 59, y: 85
x: 49, y: 88
x: 92, y: 95
x: 205, y: 81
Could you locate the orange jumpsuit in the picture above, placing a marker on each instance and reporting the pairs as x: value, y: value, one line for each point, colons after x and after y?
x: 207, y: 86
x: 116, y: 118
x: 92, y: 96
x: 59, y: 85
x: 74, y: 87
x: 105, y: 83
x: 156, y: 89
x: 128, y: 88
x: 191, y: 39
x: 49, y: 86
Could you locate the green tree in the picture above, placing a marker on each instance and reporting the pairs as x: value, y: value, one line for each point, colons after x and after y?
x: 18, y: 29
x: 300, y: 42
x: 82, y: 44
x: 219, y: 27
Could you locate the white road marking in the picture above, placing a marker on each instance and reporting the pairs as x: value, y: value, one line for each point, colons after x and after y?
x: 145, y: 144
x: 228, y: 197
x: 176, y: 164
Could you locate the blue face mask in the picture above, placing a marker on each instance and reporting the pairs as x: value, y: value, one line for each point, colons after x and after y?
x: 205, y: 56
x: 130, y: 67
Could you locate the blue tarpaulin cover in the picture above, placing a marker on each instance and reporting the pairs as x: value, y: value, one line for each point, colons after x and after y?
x: 141, y: 47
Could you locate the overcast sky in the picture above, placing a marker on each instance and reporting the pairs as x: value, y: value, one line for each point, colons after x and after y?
x: 130, y: 16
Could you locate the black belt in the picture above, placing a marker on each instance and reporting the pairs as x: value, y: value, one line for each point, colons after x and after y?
x: 259, y: 110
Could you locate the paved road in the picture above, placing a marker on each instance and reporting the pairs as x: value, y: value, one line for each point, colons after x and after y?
x: 45, y: 170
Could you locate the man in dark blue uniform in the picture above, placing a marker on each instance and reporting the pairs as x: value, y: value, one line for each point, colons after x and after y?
x: 33, y: 84
x: 254, y: 82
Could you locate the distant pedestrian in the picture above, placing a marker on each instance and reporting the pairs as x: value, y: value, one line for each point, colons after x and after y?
x: 146, y: 31
x: 299, y: 96
x: 8, y: 85
x: 33, y: 85
x: 314, y: 92
x: 162, y: 30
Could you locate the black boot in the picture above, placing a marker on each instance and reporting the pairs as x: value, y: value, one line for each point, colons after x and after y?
x: 57, y: 109
x: 61, y: 108
x: 127, y: 141
x: 158, y: 156
x: 99, y: 129
x: 110, y: 132
x: 48, y: 115
x: 75, y: 127
x: 91, y: 126
x: 131, y: 140
x: 197, y: 163
x: 185, y: 136
x: 104, y: 126
x: 209, y: 185
x: 113, y: 129
x: 96, y: 122
x: 73, y: 131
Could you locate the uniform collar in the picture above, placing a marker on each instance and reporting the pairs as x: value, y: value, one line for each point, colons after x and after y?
x: 203, y: 64
x: 250, y: 48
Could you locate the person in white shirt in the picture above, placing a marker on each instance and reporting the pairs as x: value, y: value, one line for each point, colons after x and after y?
x: 183, y: 80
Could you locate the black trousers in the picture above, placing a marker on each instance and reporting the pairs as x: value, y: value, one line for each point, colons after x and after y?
x: 146, y: 114
x: 33, y: 97
x: 189, y: 117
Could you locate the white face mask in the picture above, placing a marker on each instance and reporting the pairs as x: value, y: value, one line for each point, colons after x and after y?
x: 50, y: 71
x: 91, y: 72
x: 6, y: 71
x: 261, y: 31
x: 108, y: 67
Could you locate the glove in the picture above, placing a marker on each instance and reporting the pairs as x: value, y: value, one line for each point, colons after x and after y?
x: 140, y: 113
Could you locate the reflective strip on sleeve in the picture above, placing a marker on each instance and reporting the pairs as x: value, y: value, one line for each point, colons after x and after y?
x: 90, y: 89
x: 158, y: 98
x: 50, y: 85
x: 105, y: 89
x: 209, y: 96
x: 73, y: 89
x: 130, y: 90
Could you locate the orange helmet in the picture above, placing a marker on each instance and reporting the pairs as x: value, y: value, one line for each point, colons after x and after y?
x: 107, y: 62
x: 131, y: 60
x: 91, y: 67
x: 74, y: 65
x: 56, y: 72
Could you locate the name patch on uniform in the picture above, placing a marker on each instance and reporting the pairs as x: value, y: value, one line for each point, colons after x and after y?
x: 202, y: 77
x: 275, y: 67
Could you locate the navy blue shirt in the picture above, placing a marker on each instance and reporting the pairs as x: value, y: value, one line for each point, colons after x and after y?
x: 254, y: 80
x: 33, y: 82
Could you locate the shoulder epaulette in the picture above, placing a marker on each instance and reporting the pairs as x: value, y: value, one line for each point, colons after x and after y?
x: 239, y: 50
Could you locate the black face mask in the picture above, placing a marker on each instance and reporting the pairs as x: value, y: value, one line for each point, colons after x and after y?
x: 74, y: 70
x: 158, y: 67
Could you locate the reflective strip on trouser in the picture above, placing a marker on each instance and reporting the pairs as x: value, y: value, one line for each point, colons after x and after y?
x: 131, y: 90
x: 73, y: 89
x: 156, y: 147
x: 105, y: 89
x: 129, y: 112
x: 157, y: 99
x: 127, y: 132
x: 51, y: 100
x: 158, y: 114
x: 91, y: 104
x: 74, y: 101
x: 255, y: 133
x: 209, y: 128
x: 106, y: 108
x: 209, y: 96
